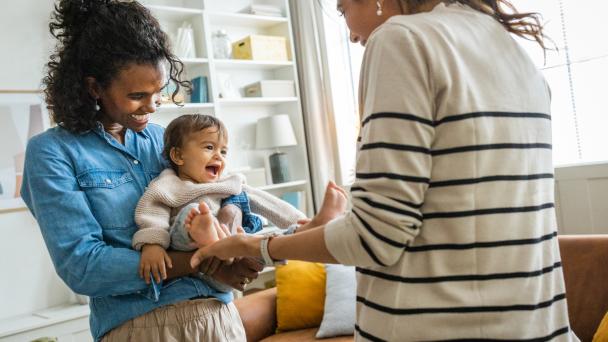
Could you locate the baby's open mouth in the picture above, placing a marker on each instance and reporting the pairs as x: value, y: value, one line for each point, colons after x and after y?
x: 213, y: 170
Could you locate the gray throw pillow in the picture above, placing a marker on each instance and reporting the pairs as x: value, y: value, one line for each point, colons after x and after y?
x: 340, y: 296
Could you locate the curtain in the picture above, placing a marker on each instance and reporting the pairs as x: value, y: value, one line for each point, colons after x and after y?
x: 319, y: 120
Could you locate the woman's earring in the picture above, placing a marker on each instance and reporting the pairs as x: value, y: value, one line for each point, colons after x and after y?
x: 97, y: 108
x: 379, y: 10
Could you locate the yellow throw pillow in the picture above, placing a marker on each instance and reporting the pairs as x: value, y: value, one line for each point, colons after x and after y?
x: 300, y: 295
x: 601, y: 334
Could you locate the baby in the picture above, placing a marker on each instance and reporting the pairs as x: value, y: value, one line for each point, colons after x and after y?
x: 196, y: 147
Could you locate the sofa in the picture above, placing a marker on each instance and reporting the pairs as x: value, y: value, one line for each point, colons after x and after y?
x: 585, y: 266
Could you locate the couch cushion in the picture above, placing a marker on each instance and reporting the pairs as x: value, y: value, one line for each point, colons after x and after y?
x: 602, y: 331
x: 300, y: 295
x: 305, y: 335
x: 584, y: 259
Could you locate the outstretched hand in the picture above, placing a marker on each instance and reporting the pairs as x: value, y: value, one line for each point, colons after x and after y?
x: 239, y: 245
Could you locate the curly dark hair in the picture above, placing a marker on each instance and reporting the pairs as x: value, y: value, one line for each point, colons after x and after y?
x: 98, y: 38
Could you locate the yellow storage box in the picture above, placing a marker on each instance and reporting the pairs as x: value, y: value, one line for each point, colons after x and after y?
x: 261, y: 48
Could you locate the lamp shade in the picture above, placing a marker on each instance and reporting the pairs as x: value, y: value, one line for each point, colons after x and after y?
x: 274, y: 131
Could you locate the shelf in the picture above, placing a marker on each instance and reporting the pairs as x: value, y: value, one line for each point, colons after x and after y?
x: 246, y: 20
x: 173, y: 108
x: 194, y: 61
x: 255, y: 65
x: 295, y: 185
x: 252, y: 101
x: 170, y: 13
x: 39, y: 319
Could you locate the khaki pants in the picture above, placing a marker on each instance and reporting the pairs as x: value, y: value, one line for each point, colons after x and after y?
x: 205, y: 320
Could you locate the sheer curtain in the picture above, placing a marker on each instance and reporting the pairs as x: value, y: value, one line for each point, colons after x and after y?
x: 319, y: 120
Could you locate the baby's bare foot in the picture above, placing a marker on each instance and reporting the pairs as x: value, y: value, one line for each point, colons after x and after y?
x: 334, y: 204
x: 201, y: 225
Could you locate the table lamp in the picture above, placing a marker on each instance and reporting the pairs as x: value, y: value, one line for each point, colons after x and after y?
x: 273, y: 132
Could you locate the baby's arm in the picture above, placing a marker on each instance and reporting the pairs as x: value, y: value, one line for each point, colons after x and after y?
x: 152, y: 238
x: 154, y: 259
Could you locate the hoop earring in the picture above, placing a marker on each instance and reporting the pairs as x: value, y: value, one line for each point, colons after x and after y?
x: 379, y: 10
x: 97, y: 108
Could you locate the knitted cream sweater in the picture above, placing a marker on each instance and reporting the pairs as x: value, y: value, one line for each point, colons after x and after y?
x: 168, y: 194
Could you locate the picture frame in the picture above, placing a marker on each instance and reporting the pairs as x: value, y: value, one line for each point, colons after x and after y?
x: 23, y: 114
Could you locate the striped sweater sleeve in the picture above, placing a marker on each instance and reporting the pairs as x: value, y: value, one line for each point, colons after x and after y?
x: 393, y: 163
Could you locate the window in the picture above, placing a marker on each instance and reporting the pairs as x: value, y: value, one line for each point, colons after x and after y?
x: 576, y: 74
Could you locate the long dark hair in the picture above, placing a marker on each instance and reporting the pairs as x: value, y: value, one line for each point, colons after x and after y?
x: 97, y: 38
x: 527, y: 25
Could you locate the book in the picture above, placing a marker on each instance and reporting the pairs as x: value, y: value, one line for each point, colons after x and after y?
x: 199, y: 90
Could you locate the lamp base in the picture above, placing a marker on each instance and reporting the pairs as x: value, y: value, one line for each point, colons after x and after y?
x: 279, y: 167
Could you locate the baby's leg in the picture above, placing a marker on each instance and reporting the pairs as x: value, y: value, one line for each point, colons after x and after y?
x: 231, y: 216
x: 201, y: 226
x: 334, y: 204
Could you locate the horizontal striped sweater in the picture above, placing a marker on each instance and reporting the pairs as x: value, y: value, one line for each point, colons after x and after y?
x: 452, y: 227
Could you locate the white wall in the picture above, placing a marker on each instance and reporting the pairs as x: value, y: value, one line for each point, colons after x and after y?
x: 29, y: 282
x: 581, y: 196
x: 25, y: 43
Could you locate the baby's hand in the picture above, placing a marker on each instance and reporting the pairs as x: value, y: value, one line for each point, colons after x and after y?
x: 154, y: 259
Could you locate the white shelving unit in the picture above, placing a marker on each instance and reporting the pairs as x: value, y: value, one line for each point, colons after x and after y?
x: 241, y: 113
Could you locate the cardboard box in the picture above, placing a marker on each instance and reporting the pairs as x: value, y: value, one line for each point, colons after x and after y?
x: 268, y: 88
x: 261, y: 48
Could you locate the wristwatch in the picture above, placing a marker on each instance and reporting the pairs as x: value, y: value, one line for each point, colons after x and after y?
x: 268, y: 261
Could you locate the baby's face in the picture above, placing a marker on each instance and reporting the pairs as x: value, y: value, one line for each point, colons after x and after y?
x: 203, y: 156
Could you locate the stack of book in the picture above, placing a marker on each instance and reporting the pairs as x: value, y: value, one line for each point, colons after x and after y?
x: 267, y: 10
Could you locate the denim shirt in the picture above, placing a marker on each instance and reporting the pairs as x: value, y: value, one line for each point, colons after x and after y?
x: 82, y: 189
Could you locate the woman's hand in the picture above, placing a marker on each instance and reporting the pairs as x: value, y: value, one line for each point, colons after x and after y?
x: 240, y: 273
x: 239, y: 245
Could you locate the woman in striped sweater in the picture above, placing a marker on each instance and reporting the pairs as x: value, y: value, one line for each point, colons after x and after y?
x: 452, y: 226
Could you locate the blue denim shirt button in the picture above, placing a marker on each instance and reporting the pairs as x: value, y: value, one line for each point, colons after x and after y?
x: 135, y: 162
x: 108, y: 180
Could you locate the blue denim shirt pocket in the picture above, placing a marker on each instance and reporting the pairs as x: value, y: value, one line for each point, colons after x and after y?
x: 102, y: 188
